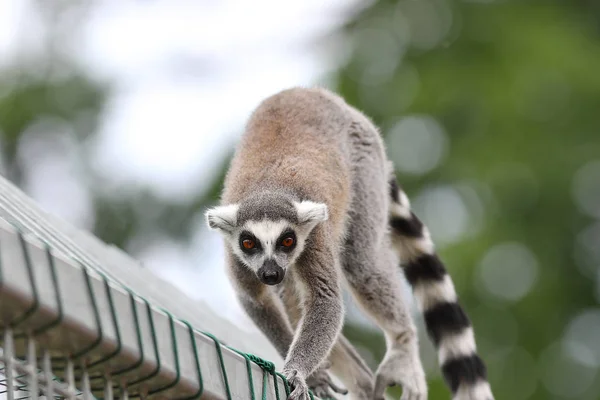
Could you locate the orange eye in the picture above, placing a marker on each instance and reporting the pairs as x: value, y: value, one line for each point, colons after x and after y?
x: 288, y: 242
x: 248, y: 244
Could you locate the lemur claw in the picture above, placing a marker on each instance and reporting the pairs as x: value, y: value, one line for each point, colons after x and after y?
x: 298, y: 386
x: 321, y: 384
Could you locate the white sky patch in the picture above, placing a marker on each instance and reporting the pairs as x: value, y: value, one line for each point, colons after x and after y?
x: 10, y: 13
x: 189, y: 74
x: 124, y: 36
x: 174, y: 135
x: 21, y: 31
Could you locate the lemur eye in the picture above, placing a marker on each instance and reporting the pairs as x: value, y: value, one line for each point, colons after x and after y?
x: 249, y: 244
x: 287, y: 241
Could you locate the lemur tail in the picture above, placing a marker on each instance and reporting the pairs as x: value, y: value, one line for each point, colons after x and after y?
x: 446, y: 321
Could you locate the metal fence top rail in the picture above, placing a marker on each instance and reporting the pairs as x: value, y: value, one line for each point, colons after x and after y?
x: 86, y: 320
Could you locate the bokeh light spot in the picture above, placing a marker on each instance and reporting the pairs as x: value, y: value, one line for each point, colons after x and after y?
x: 417, y: 144
x: 562, y: 372
x: 508, y: 271
x: 586, y: 188
x: 583, y: 335
x: 444, y: 212
x: 587, y: 250
x: 429, y: 21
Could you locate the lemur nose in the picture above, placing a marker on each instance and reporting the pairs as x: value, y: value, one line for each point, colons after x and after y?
x: 271, y: 276
x: 270, y: 273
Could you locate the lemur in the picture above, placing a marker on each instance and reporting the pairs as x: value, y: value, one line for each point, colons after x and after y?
x: 310, y: 202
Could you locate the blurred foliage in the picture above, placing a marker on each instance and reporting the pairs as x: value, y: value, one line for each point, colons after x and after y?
x: 28, y: 98
x: 514, y: 87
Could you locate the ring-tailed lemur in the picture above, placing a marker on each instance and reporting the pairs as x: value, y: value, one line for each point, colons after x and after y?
x: 310, y: 201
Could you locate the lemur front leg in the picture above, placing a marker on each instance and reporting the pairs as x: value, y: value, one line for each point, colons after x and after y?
x: 320, y: 381
x: 318, y: 275
x: 262, y: 306
x: 267, y: 312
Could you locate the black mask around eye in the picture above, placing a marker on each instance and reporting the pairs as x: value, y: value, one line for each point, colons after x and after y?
x: 287, y: 241
x: 249, y: 243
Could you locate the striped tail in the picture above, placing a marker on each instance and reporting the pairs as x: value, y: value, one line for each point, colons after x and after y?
x: 447, y: 323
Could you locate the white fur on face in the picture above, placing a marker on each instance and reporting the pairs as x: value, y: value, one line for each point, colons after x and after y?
x: 267, y: 232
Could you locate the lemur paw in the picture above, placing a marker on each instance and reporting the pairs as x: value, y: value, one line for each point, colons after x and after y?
x: 320, y: 383
x: 298, y: 386
x: 401, y: 368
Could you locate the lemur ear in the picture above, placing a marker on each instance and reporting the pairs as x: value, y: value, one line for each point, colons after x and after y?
x: 223, y: 218
x: 311, y: 213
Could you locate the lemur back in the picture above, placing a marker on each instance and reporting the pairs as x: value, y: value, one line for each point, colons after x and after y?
x: 295, y: 142
x: 312, y: 172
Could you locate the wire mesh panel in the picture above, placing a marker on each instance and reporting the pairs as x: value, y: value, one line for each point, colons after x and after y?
x: 70, y: 328
x: 30, y: 376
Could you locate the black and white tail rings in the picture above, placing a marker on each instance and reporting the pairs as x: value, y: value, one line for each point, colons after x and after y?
x: 447, y: 323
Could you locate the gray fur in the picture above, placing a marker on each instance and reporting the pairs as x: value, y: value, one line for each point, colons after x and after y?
x: 308, y: 144
x: 271, y: 205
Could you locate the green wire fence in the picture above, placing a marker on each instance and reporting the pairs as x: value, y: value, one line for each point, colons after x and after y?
x: 79, y: 319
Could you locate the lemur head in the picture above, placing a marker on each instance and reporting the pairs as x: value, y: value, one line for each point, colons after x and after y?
x: 267, y: 232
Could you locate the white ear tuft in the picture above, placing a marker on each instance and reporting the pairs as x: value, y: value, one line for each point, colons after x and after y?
x: 310, y: 212
x: 223, y: 218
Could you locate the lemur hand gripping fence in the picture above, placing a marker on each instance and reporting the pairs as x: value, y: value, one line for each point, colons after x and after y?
x: 71, y: 327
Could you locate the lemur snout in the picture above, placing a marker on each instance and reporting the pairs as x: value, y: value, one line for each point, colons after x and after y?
x: 270, y: 273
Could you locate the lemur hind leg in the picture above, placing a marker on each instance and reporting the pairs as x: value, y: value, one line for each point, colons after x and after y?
x: 370, y: 267
x: 376, y: 287
x: 352, y: 370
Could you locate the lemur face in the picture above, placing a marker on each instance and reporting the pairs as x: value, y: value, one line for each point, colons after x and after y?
x: 267, y: 239
x: 268, y: 248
